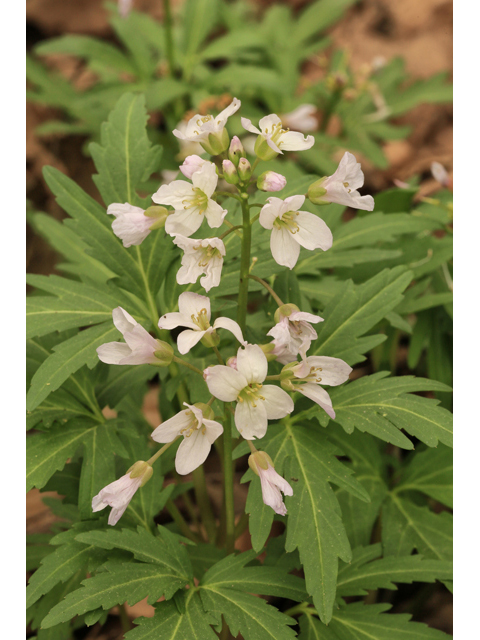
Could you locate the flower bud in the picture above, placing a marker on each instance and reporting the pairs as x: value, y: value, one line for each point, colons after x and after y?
x: 285, y: 311
x: 271, y: 181
x: 232, y: 362
x: 236, y: 151
x: 286, y: 376
x: 216, y: 143
x: 262, y: 150
x: 267, y: 350
x: 261, y: 460
x: 159, y: 216
x: 163, y: 353
x: 141, y: 470
x: 244, y: 169
x: 191, y: 164
x: 230, y: 174
x: 316, y: 192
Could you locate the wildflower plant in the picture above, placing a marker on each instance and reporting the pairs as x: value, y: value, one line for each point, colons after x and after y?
x: 209, y: 281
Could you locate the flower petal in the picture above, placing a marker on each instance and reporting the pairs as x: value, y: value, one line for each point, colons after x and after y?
x: 206, y: 179
x: 170, y: 429
x: 192, y: 452
x: 113, y: 352
x: 278, y: 403
x: 252, y: 363
x: 176, y: 319
x: 285, y: 250
x: 297, y: 316
x: 188, y: 339
x: 230, y: 325
x: 224, y: 382
x: 214, y: 214
x: 123, y: 320
x: 295, y: 141
x: 270, y: 212
x: 185, y: 222
x: 318, y: 395
x: 251, y: 421
x: 313, y: 232
x: 272, y: 497
x: 214, y: 429
x: 192, y: 304
x: 232, y: 108
x: 334, y: 371
x: 293, y: 203
x: 247, y: 124
x: 268, y: 122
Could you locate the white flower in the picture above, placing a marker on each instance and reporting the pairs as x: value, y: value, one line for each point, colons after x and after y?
x: 278, y: 138
x: 256, y: 403
x: 293, y: 333
x: 313, y: 371
x: 210, y: 132
x: 440, y: 174
x: 187, y: 148
x: 194, y: 313
x: 199, y: 433
x: 192, y: 202
x: 200, y: 257
x: 131, y: 224
x: 271, y: 181
x: 272, y: 483
x: 292, y: 228
x: 139, y: 346
x: 124, y: 7
x: 119, y: 493
x: 192, y: 164
x: 301, y: 118
x: 341, y: 187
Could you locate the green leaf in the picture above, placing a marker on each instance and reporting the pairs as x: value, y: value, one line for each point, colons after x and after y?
x: 68, y: 357
x: 379, y: 406
x: 318, y: 16
x: 357, y: 309
x: 406, y: 526
x: 369, y: 622
x: 362, y: 575
x: 430, y: 472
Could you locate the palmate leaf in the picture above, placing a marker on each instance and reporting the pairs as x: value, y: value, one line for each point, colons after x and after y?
x: 367, y: 622
x: 355, y: 310
x: 307, y: 460
x: 380, y: 406
x: 59, y: 406
x: 366, y: 571
x: 430, y: 472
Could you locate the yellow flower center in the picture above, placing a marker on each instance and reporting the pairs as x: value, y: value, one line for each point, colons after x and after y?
x: 276, y: 132
x: 194, y: 425
x: 197, y: 199
x: 201, y: 320
x: 251, y: 394
x: 287, y: 221
x: 206, y: 254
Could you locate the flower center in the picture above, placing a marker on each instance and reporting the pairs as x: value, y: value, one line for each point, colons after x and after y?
x: 201, y: 320
x: 276, y: 132
x: 251, y: 394
x: 193, y: 426
x: 312, y: 376
x: 201, y: 121
x: 206, y: 254
x: 197, y: 199
x: 287, y: 221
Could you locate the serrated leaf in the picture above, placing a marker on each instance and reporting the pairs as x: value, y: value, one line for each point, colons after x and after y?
x: 430, y: 472
x: 378, y: 405
x: 363, y: 574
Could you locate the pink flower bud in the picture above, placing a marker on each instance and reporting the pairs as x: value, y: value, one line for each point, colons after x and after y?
x: 271, y: 181
x: 191, y: 165
x: 229, y: 172
x: 236, y: 150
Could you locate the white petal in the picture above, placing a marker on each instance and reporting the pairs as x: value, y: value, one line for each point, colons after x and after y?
x: 224, y: 382
x: 293, y: 203
x: 188, y: 339
x: 297, y: 316
x: 278, y: 403
x: 192, y: 452
x: 116, y: 514
x: 313, y: 232
x: 172, y: 194
x: 192, y: 304
x: 170, y: 429
x: 118, y: 209
x: 123, y: 320
x: 232, y: 108
x: 353, y: 171
x: 213, y: 273
x: 268, y: 122
x: 230, y: 325
x: 184, y: 222
x: 295, y: 141
x: 247, y: 124
x: 214, y: 214
x: 191, y: 164
x: 113, y: 352
x: 270, y: 212
x: 274, y: 478
x: 206, y: 179
x: 301, y: 118
x: 252, y: 363
x: 273, y: 146
x: 272, y: 497
x: 334, y: 371
x: 214, y: 429
x: 139, y: 338
x: 318, y: 395
x: 132, y: 229
x: 251, y: 421
x: 176, y: 319
x: 285, y: 250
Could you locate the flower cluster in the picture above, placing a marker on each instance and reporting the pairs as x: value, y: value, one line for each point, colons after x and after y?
x: 242, y: 382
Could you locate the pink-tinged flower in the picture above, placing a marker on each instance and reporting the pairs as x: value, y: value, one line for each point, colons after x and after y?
x: 139, y: 346
x: 271, y: 181
x: 273, y: 138
x: 119, y: 493
x: 292, y: 229
x: 441, y: 175
x: 187, y: 148
x: 200, y: 257
x: 192, y: 202
x: 194, y: 313
x: 302, y: 118
x: 272, y: 483
x: 341, y: 187
x: 293, y: 333
x: 256, y: 403
x: 210, y: 132
x: 191, y: 165
x: 124, y: 7
x: 199, y: 432
x: 131, y: 224
x: 306, y: 376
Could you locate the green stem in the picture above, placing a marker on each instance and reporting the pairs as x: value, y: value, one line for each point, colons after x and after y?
x: 155, y: 456
x: 303, y: 607
x: 124, y: 619
x: 219, y: 355
x: 228, y: 483
x: 187, y: 364
x: 180, y: 522
x: 268, y: 288
x: 204, y: 503
x: 228, y: 194
x: 244, y: 266
x: 241, y: 525
x: 330, y: 108
x: 169, y: 37
x: 239, y: 226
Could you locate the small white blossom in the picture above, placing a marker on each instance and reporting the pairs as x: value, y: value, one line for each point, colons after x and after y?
x: 440, y: 174
x: 292, y: 228
x: 194, y: 313
x: 119, y: 493
x: 278, y: 138
x: 301, y: 118
x: 293, y: 333
x: 313, y: 371
x: 192, y: 202
x: 139, y: 346
x: 131, y: 224
x: 200, y: 257
x: 341, y: 187
x: 199, y: 433
x: 272, y: 483
x: 191, y: 165
x: 256, y: 403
